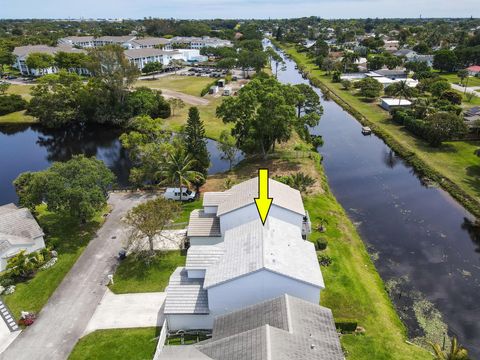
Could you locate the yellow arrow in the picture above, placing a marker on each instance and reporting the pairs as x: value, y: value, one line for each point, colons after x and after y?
x: 263, y: 202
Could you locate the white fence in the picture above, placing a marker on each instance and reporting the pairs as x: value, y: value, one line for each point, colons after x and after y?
x: 161, y: 340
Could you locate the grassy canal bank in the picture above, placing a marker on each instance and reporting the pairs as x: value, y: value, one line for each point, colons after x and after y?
x: 454, y: 166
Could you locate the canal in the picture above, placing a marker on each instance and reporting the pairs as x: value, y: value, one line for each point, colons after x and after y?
x: 33, y: 148
x: 419, y: 238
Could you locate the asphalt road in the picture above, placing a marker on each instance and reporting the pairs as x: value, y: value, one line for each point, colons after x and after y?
x: 64, y: 318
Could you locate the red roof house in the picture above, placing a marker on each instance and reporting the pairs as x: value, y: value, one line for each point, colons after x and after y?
x: 474, y: 70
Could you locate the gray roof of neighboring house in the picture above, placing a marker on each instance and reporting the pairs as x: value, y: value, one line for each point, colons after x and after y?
x: 244, y: 193
x: 18, y: 226
x: 215, y: 198
x: 203, y: 224
x: 284, y: 328
x: 29, y: 49
x: 185, y: 295
x: 277, y: 247
x: 387, y: 73
x: 116, y: 39
x: 203, y: 256
x: 151, y: 41
x: 147, y: 52
x: 78, y: 38
x: 403, y: 52
x: 185, y: 352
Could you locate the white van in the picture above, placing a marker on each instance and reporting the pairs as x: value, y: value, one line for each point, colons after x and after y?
x: 174, y: 194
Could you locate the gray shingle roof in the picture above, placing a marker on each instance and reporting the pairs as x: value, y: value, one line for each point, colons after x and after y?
x: 147, y: 52
x: 203, y: 256
x: 215, y: 198
x: 151, y: 41
x: 184, y: 295
x: 284, y: 328
x: 244, y: 193
x: 277, y: 247
x: 18, y: 226
x: 203, y: 224
x: 29, y: 49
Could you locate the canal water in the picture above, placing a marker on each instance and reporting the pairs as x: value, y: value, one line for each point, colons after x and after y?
x: 33, y: 148
x: 419, y: 237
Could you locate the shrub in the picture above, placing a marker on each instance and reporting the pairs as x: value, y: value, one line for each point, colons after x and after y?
x: 452, y: 96
x: 11, y: 103
x: 320, y: 244
x: 299, y: 181
x: 336, y: 76
x: 347, y: 84
x: 346, y: 326
x: 324, y: 260
x: 206, y: 89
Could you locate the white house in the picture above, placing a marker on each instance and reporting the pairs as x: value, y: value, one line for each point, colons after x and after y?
x: 150, y: 42
x: 141, y: 57
x: 18, y: 231
x: 226, y: 210
x: 199, y: 42
x: 392, y: 103
x: 254, y: 263
x: 91, y: 41
x: 284, y: 327
x: 21, y: 54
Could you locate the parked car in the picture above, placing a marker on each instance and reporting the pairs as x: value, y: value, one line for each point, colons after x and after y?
x: 174, y: 194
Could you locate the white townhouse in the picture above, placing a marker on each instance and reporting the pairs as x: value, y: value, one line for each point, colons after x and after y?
x: 18, y: 231
x: 200, y: 42
x: 150, y: 42
x: 254, y: 263
x: 282, y: 328
x: 141, y: 57
x: 91, y: 41
x: 21, y: 54
x: 225, y: 210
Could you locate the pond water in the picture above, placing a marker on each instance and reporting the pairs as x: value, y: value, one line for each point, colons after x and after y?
x: 33, y: 148
x: 419, y: 236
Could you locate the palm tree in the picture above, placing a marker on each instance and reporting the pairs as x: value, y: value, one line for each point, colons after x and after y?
x: 349, y: 59
x: 402, y: 90
x: 456, y: 352
x: 178, y: 169
x: 424, y: 107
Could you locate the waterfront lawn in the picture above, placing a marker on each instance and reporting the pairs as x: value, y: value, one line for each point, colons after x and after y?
x: 453, y: 160
x: 69, y: 239
x: 353, y: 288
x: 135, y: 275
x: 191, y: 85
x: 117, y: 344
x: 23, y: 90
x: 18, y: 117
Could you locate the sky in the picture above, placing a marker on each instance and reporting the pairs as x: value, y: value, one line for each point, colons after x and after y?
x: 246, y: 9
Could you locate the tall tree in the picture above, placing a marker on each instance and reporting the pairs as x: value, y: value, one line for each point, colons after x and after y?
x: 226, y: 145
x: 152, y: 68
x: 175, y: 104
x: 78, y: 187
x: 196, y: 145
x: 445, y: 60
x: 149, y: 220
x: 276, y: 59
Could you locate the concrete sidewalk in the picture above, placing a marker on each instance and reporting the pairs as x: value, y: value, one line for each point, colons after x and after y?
x: 127, y: 311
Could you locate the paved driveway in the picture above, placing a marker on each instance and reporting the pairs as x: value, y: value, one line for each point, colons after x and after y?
x: 64, y: 318
x: 127, y: 311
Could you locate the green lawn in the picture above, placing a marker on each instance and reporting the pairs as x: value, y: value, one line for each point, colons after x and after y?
x: 187, y: 208
x: 23, y: 90
x: 191, y: 85
x: 454, y: 79
x: 454, y: 160
x: 18, y: 117
x: 134, y: 275
x: 117, y: 344
x: 69, y: 239
x: 213, y: 125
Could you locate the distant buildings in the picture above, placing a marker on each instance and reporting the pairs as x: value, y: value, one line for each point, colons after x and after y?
x: 18, y: 231
x: 22, y: 52
x: 474, y: 70
x: 413, y: 56
x: 139, y: 51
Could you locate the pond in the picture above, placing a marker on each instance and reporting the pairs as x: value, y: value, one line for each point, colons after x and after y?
x: 419, y: 237
x: 33, y: 148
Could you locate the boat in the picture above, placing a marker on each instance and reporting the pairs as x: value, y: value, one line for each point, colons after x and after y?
x: 366, y: 130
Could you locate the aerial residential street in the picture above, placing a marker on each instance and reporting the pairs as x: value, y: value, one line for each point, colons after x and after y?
x: 63, y: 320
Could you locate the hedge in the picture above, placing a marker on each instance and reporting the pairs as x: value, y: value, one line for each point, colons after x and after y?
x: 11, y: 103
x: 346, y: 326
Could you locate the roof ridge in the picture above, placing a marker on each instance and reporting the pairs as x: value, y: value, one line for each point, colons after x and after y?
x: 267, y: 342
x: 289, y: 316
